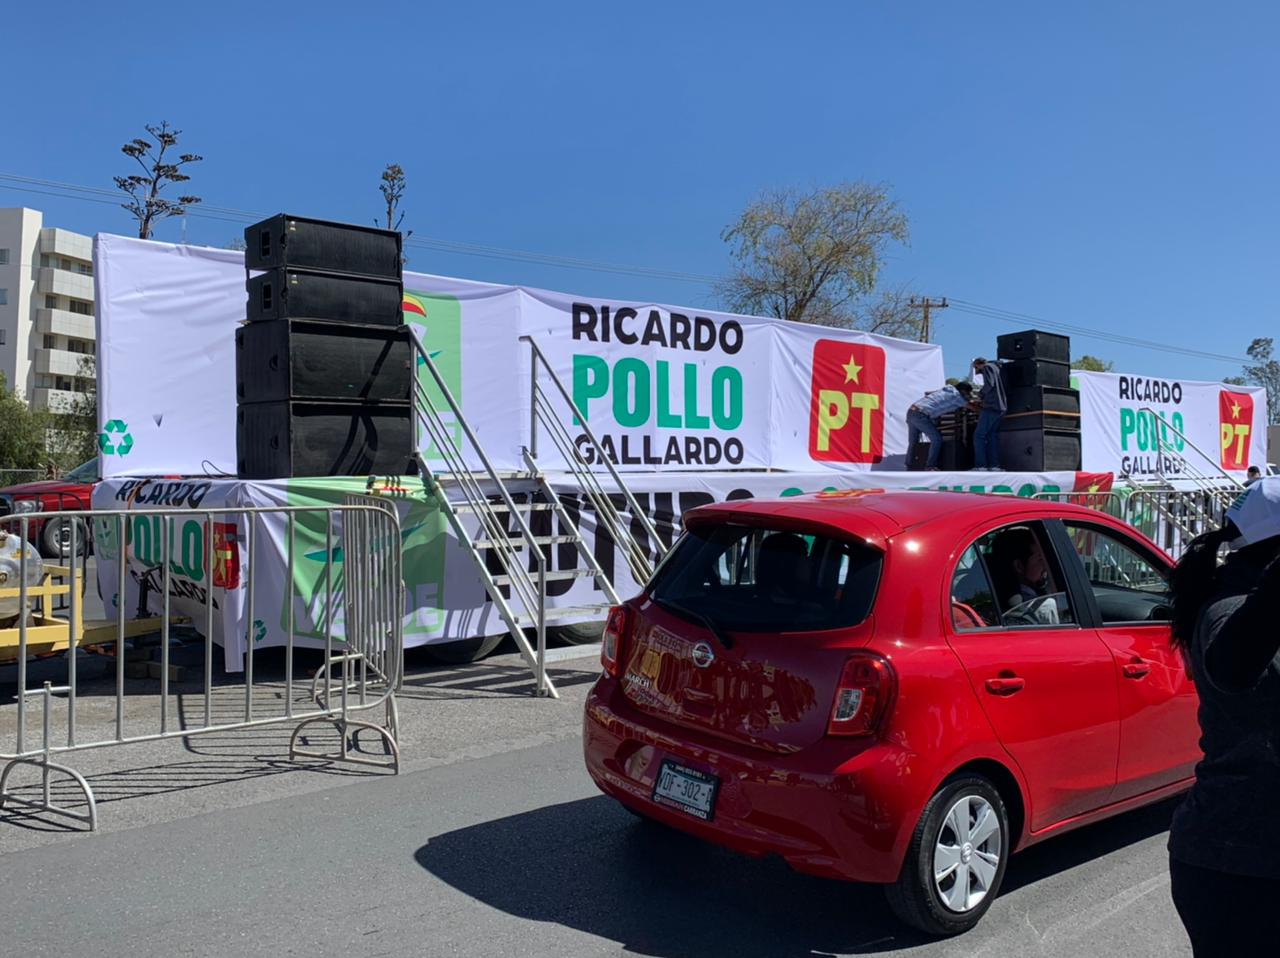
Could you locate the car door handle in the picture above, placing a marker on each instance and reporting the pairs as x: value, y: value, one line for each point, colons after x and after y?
x: 1135, y: 669
x: 1006, y: 685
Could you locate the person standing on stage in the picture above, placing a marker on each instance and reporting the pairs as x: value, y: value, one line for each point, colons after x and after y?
x: 924, y: 414
x: 986, y: 440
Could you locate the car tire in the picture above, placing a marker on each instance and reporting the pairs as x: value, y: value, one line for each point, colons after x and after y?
x: 928, y: 895
x: 55, y: 537
x: 578, y: 633
x: 464, y: 651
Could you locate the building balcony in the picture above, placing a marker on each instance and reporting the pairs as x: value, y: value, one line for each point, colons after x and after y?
x: 56, y: 242
x: 55, y: 400
x: 62, y: 362
x: 61, y: 282
x: 60, y: 322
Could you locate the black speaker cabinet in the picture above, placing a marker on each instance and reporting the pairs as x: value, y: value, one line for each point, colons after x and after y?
x: 296, y: 242
x: 1036, y: 450
x: 322, y: 361
x: 1052, y: 399
x: 955, y: 456
x: 1034, y: 344
x: 1036, y: 372
x: 287, y: 294
x: 278, y: 440
x: 1069, y: 421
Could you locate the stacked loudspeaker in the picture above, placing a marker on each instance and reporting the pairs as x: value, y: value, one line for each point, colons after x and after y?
x: 1041, y: 429
x: 323, y: 362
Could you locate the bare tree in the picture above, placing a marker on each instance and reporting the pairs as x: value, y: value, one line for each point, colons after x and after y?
x: 158, y: 171
x: 392, y: 189
x: 815, y: 257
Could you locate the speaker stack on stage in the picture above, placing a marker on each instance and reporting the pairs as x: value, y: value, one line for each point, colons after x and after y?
x: 323, y: 366
x: 1041, y: 429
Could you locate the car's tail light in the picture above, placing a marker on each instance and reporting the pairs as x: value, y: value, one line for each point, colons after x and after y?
x: 863, y: 696
x: 613, y: 645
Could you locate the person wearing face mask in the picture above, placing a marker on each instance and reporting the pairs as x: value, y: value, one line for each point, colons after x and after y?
x: 1224, y: 845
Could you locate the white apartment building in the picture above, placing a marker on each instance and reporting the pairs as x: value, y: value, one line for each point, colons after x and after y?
x: 46, y: 309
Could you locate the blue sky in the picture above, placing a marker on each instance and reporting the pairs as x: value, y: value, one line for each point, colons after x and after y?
x: 1103, y: 164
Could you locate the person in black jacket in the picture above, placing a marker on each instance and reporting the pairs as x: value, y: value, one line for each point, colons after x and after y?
x: 1224, y: 845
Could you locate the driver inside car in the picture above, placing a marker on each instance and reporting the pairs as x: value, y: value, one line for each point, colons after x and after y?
x: 782, y: 567
x: 1029, y: 595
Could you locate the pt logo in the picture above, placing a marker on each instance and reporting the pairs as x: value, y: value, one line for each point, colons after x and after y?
x: 846, y: 405
x: 115, y: 439
x: 1235, y: 421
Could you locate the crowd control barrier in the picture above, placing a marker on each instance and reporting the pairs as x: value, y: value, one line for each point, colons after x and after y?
x: 162, y: 555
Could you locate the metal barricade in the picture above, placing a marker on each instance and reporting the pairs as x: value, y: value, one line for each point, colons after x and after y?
x: 1170, y: 518
x: 1112, y: 503
x: 221, y: 565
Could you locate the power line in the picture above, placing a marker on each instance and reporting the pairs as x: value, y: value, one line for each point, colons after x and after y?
x: 27, y: 184
x: 95, y: 194
x: 1086, y: 332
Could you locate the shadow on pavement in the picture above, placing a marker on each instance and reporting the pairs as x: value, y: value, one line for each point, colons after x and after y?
x: 589, y: 865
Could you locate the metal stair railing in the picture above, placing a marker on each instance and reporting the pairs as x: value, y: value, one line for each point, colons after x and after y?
x: 607, y: 513
x: 529, y: 590
x: 1217, y: 483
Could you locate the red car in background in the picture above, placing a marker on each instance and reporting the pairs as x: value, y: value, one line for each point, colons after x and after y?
x: 41, y: 500
x: 895, y: 687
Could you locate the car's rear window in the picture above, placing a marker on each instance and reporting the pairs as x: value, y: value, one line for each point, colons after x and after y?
x: 751, y: 579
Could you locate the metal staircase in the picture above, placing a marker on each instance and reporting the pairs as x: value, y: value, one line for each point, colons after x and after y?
x: 490, y: 512
x: 1178, y: 507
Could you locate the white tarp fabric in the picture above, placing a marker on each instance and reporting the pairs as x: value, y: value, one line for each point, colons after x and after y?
x: 662, y: 387
x: 1149, y: 428
x: 444, y: 599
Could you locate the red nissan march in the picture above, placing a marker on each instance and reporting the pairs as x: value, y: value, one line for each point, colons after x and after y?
x: 895, y: 687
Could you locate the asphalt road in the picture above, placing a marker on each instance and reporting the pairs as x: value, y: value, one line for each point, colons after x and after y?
x: 493, y: 841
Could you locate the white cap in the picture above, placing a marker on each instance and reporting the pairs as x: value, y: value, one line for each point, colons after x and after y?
x: 1256, y: 512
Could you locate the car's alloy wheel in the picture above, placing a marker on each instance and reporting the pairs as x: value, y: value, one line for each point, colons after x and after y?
x: 955, y: 860
x: 966, y: 855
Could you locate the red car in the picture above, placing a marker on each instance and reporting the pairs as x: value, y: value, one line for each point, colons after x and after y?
x: 895, y: 687
x: 72, y: 493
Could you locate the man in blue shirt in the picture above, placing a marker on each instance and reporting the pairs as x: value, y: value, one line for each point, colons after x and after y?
x: 986, y: 440
x: 923, y: 417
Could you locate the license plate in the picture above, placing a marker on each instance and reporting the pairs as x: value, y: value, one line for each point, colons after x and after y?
x: 687, y: 789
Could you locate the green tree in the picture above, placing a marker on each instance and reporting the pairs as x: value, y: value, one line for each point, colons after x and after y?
x: 1092, y: 364
x: 158, y: 171
x: 22, y: 432
x: 815, y: 257
x: 73, y: 432
x: 1264, y: 371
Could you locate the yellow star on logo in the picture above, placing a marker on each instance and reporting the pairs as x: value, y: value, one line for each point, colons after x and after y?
x: 851, y: 369
x: 1235, y: 410
x: 1093, y: 487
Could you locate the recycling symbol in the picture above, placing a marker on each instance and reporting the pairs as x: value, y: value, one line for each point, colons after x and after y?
x: 115, y: 438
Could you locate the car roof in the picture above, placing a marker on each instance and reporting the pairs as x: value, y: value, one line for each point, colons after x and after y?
x: 888, y: 511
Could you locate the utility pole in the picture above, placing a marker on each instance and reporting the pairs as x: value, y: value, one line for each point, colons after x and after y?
x: 927, y: 304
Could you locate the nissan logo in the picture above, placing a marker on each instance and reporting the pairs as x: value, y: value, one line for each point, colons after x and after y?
x: 702, y: 655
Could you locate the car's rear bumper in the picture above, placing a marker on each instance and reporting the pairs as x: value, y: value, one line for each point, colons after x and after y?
x: 839, y: 809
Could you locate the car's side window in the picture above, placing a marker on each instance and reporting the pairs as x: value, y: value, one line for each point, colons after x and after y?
x: 973, y: 600
x: 1013, y: 577
x: 1127, y: 585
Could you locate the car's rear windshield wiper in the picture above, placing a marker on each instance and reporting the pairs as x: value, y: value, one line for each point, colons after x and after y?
x: 721, y: 635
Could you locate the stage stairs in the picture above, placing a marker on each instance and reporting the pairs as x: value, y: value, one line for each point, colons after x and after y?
x: 494, y: 514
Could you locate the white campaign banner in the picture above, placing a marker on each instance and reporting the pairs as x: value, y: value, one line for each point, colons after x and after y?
x: 840, y: 398
x: 1150, y: 428
x: 166, y: 324
x: 661, y: 387
x: 444, y: 599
